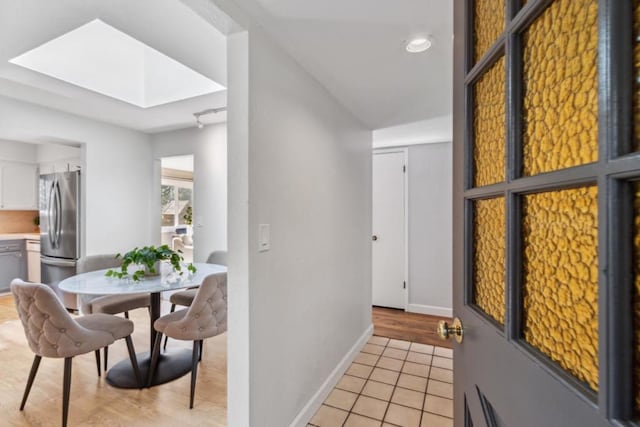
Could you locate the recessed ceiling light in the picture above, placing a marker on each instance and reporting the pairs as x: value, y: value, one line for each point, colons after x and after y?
x: 418, y: 44
x: 103, y: 59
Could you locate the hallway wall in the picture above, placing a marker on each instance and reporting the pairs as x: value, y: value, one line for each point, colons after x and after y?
x: 309, y: 177
x: 430, y: 233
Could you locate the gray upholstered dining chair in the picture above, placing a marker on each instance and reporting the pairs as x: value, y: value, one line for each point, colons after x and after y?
x: 205, y: 318
x: 52, y: 332
x: 107, y: 304
x: 185, y: 298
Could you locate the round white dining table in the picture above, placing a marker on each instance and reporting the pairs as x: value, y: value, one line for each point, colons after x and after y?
x: 172, y: 363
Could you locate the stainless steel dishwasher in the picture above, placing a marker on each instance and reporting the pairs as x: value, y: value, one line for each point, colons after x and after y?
x: 13, y: 263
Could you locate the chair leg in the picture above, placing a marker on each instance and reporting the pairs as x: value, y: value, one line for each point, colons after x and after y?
x: 134, y: 360
x: 32, y: 376
x: 66, y: 390
x: 106, y: 357
x: 194, y: 371
x: 154, y: 358
x: 98, y: 361
x: 200, y: 352
x: 126, y: 315
x: 164, y: 347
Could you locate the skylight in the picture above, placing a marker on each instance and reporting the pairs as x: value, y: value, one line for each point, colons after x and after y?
x: 100, y: 58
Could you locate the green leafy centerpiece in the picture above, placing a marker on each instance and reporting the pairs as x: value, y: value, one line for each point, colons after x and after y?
x: 149, y: 258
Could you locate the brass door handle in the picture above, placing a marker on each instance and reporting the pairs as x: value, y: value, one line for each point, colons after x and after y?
x: 456, y: 330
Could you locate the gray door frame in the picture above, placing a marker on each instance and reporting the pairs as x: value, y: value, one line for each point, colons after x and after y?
x: 613, y: 173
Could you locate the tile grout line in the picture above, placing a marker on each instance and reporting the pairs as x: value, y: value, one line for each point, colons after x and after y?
x: 424, y: 401
x: 395, y: 385
x: 349, y: 412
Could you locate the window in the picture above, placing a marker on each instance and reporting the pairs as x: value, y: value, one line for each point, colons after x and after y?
x: 176, y: 200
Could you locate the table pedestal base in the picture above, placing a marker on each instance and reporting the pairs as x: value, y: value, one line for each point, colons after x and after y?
x: 172, y: 364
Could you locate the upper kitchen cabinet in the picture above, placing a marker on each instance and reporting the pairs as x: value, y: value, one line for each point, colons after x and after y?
x: 18, y: 186
x: 63, y: 165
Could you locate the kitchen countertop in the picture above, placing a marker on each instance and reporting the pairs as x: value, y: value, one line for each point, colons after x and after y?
x: 19, y: 236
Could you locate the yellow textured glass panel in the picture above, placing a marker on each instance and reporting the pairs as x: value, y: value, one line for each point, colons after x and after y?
x: 636, y: 271
x: 488, y: 24
x: 488, y: 257
x: 561, y: 278
x: 636, y: 50
x: 560, y: 107
x: 489, y: 126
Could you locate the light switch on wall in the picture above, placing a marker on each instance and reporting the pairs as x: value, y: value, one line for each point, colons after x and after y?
x: 264, y: 240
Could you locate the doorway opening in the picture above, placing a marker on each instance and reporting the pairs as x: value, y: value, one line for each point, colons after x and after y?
x: 176, y: 204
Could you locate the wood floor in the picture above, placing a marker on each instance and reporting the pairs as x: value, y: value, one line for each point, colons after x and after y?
x: 414, y: 327
x: 95, y: 403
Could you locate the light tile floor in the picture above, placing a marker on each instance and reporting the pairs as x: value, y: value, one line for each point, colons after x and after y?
x: 392, y: 383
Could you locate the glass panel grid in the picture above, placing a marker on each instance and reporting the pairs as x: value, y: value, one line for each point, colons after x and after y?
x: 636, y: 76
x: 560, y: 105
x: 560, y: 315
x: 489, y: 257
x: 488, y: 25
x: 489, y: 126
x: 636, y: 273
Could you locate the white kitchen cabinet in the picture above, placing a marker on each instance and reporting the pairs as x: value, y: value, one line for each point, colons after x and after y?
x: 63, y: 165
x: 18, y: 186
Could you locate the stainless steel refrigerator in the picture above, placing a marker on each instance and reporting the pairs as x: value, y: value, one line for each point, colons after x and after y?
x: 60, y: 230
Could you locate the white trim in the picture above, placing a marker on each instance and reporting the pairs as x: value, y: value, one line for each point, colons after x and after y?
x: 405, y: 151
x: 432, y: 310
x: 390, y: 150
x: 309, y: 410
x: 406, y: 228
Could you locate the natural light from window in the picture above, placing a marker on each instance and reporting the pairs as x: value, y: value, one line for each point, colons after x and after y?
x: 100, y: 58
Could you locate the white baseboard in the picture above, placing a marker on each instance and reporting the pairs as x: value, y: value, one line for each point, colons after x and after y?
x: 433, y: 310
x: 309, y: 410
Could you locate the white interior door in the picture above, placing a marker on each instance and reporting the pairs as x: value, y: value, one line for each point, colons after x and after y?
x: 389, y: 248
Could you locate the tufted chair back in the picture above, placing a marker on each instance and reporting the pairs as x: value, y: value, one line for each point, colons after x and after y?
x: 50, y: 330
x: 207, y: 315
x: 97, y: 262
x: 217, y: 257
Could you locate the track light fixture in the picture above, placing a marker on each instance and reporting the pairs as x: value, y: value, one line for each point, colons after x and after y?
x: 204, y: 113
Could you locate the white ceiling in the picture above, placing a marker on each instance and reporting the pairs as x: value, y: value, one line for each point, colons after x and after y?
x: 356, y: 49
x: 165, y: 25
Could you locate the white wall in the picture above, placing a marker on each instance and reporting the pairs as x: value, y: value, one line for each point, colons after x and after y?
x: 13, y: 151
x: 430, y: 233
x: 435, y: 129
x: 238, y: 348
x: 59, y: 158
x: 54, y: 152
x: 117, y: 180
x: 209, y: 149
x: 310, y: 178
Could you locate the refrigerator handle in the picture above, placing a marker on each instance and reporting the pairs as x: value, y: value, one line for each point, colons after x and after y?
x: 58, y: 213
x: 50, y: 214
x: 56, y: 262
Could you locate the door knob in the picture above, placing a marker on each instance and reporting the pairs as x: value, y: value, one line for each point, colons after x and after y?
x: 446, y: 331
x: 374, y: 238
